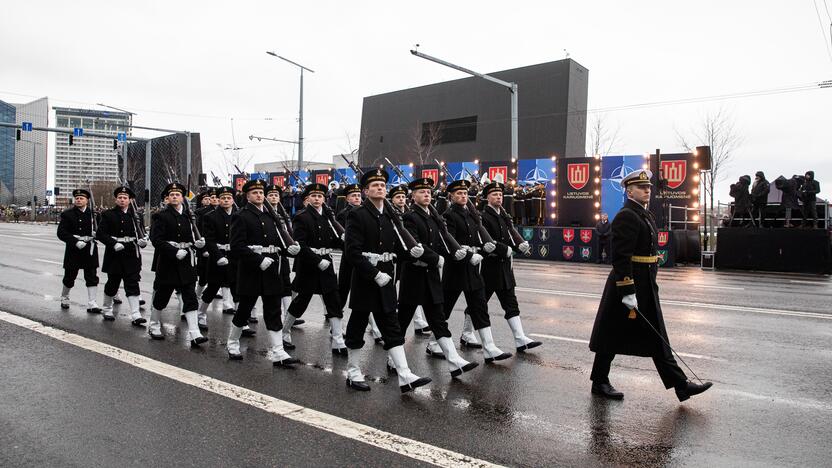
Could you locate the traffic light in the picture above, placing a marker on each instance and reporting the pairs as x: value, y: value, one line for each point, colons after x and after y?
x: 115, y: 144
x: 17, y: 135
x: 57, y: 191
x: 36, y: 199
x: 70, y: 139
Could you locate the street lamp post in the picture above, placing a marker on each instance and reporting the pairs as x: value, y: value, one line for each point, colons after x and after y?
x: 300, y: 112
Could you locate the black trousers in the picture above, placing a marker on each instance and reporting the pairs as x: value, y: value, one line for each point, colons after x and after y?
x: 434, y: 314
x: 604, y: 246
x: 90, y: 276
x: 202, y: 269
x: 344, y: 280
x: 758, y: 212
x: 669, y: 371
x: 476, y: 306
x: 285, y: 273
x: 810, y: 210
x: 508, y: 301
x: 161, y: 296
x: 271, y: 311
x: 210, y: 292
x: 331, y: 304
x: 131, y: 284
x: 388, y: 324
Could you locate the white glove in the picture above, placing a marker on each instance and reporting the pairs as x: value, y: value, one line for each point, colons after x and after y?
x: 508, y: 253
x: 323, y: 264
x: 223, y: 261
x: 441, y: 262
x: 382, y: 279
x: 293, y: 249
x: 142, y: 243
x: 181, y: 253
x: 118, y: 246
x: 524, y: 247
x: 199, y: 243
x: 266, y: 263
x: 417, y: 251
x: 630, y: 301
x: 475, y: 259
x: 460, y: 254
x: 489, y: 247
x: 80, y: 245
x: 342, y: 237
x: 206, y: 254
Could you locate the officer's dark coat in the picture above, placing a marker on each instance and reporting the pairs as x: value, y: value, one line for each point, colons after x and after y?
x: 460, y: 275
x: 117, y: 223
x: 252, y: 226
x: 171, y: 226
x: 216, y: 228
x: 345, y: 267
x: 368, y: 230
x: 422, y: 284
x: 202, y: 254
x: 496, y: 267
x: 75, y: 222
x: 313, y: 231
x: 633, y: 233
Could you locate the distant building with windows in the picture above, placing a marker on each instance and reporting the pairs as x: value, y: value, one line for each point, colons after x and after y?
x: 23, y: 162
x: 88, y: 158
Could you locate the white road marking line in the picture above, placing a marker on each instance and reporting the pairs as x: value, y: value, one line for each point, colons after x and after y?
x: 709, y: 286
x: 317, y: 419
x: 819, y: 283
x: 43, y: 260
x: 700, y: 305
x: 576, y: 340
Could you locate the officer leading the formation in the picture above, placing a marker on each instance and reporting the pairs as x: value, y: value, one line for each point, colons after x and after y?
x: 77, y: 229
x: 631, y: 299
x: 119, y: 230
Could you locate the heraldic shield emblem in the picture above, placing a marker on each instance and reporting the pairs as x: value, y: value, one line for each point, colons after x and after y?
x: 544, y: 235
x: 662, y: 254
x: 662, y: 238
x: 543, y: 251
x: 568, y: 235
x: 586, y: 235
x: 528, y: 233
x: 577, y: 175
x: 568, y: 252
x: 675, y: 172
x: 586, y: 252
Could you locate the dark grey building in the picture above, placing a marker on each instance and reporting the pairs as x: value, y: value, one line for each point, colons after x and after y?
x: 470, y: 118
x: 168, y: 161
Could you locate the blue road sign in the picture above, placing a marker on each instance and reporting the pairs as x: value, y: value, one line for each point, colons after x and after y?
x: 78, y: 132
x: 121, y: 136
x: 48, y: 193
x: 26, y: 126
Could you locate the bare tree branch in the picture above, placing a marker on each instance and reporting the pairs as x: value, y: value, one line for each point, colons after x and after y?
x: 602, y: 138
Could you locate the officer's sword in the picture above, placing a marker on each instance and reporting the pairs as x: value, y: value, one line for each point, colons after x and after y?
x: 666, y: 343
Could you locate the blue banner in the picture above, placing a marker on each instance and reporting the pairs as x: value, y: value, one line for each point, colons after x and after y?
x: 613, y: 169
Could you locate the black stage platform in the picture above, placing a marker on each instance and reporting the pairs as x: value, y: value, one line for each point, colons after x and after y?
x: 778, y: 249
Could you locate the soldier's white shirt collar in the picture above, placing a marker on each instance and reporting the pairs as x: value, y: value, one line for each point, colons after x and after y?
x: 82, y: 209
x: 319, y: 210
x: 496, y: 209
x: 179, y: 209
x: 228, y: 210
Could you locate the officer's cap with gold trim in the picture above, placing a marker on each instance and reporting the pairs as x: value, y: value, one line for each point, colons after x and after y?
x: 493, y: 187
x: 123, y: 189
x: 351, y: 188
x: 461, y: 184
x: 422, y: 183
x: 376, y: 175
x: 173, y: 187
x: 273, y: 188
x: 639, y: 177
x: 79, y: 192
x: 226, y: 190
x: 397, y: 190
x: 314, y: 188
x: 254, y: 185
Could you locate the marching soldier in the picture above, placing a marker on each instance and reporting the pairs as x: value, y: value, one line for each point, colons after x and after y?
x: 221, y: 268
x: 421, y: 285
x: 462, y: 275
x: 77, y: 229
x: 630, y: 291
x: 256, y: 244
x: 119, y: 230
x: 497, y: 270
x: 174, y: 239
x: 398, y: 197
x: 314, y: 271
x: 372, y: 244
x: 273, y: 193
x: 204, y: 207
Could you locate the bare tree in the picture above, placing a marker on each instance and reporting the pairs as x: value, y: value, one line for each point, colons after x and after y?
x: 102, y: 193
x: 232, y: 158
x: 718, y: 131
x: 602, y: 137
x: 425, y: 138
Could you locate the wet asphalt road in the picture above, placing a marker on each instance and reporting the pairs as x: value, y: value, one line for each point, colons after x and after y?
x: 765, y: 340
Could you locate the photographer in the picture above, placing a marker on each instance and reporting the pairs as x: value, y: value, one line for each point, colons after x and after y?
x: 742, y: 199
x: 759, y: 198
x: 808, y: 195
x: 788, y: 201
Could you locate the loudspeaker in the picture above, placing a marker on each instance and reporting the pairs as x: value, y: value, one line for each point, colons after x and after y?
x: 703, y: 157
x: 203, y: 180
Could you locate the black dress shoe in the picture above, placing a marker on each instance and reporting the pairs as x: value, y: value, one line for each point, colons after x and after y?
x: 287, y: 345
x: 229, y: 311
x: 298, y: 322
x: 109, y: 318
x: 380, y: 341
x: 202, y: 326
x: 422, y: 331
x: 606, y: 390
x: 94, y: 310
x: 182, y: 318
x: 252, y: 320
x: 466, y: 344
x: 498, y: 358
x: 198, y: 341
x: 340, y: 351
x: 64, y: 306
x: 415, y: 384
x: 287, y: 363
x: 465, y: 368
x: 533, y: 344
x: 689, y: 389
x: 235, y: 357
x: 139, y: 322
x: 434, y: 354
x: 157, y: 337
x: 116, y: 301
x: 142, y: 302
x: 360, y: 386
x: 248, y: 332
x: 217, y: 296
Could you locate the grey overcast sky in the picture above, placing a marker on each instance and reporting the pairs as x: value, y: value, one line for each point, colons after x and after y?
x: 196, y: 65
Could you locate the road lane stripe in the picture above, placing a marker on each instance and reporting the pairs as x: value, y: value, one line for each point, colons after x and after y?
x: 709, y: 286
x: 817, y: 283
x: 576, y: 340
x: 700, y: 305
x: 343, y: 427
x: 43, y: 260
